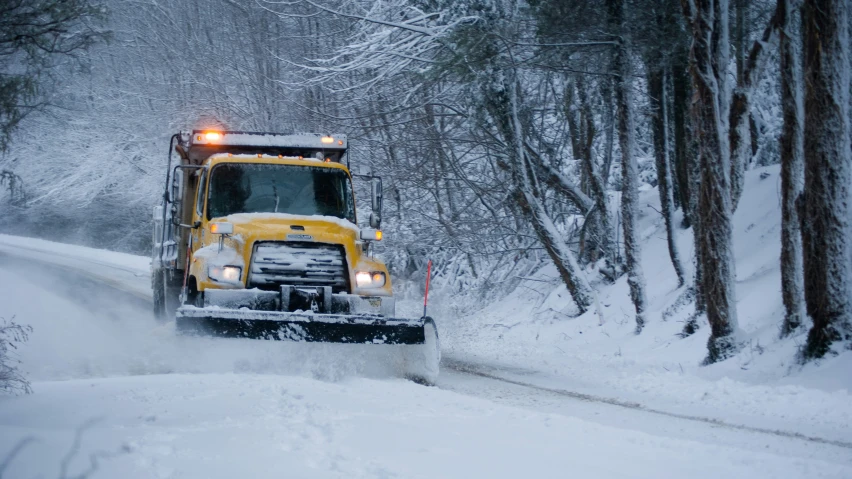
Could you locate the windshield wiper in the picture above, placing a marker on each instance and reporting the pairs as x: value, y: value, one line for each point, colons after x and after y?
x: 275, y: 192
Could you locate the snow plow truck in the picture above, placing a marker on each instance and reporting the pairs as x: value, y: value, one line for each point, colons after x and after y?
x: 257, y: 237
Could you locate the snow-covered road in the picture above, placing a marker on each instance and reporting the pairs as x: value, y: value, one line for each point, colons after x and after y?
x: 155, y: 405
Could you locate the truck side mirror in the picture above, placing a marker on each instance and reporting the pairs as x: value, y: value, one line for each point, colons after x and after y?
x: 376, y: 196
x: 177, y: 185
x: 375, y: 221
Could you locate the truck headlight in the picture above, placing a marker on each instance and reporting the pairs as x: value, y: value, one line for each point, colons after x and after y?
x: 367, y: 279
x: 226, y: 274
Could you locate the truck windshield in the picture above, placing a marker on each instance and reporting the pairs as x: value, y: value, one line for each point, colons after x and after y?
x: 268, y: 188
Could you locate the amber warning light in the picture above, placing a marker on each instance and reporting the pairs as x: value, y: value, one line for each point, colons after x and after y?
x: 327, y: 139
x: 222, y: 228
x: 210, y: 136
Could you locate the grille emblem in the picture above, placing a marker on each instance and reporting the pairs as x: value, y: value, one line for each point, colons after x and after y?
x: 297, y: 237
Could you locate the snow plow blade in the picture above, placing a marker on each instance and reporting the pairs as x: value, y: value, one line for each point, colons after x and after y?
x: 304, y: 327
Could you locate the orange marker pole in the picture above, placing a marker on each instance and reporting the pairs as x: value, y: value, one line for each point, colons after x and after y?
x: 428, y: 275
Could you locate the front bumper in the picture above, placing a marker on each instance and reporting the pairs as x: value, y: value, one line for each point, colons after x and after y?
x: 290, y: 298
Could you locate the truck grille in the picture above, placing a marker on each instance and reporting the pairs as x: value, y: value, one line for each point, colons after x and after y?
x: 298, y: 264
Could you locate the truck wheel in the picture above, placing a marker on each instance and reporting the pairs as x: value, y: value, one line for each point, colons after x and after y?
x: 159, y: 294
x: 193, y: 296
x: 171, y: 294
x: 421, y: 362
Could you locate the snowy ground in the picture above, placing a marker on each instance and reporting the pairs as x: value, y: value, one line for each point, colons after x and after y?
x: 524, y: 392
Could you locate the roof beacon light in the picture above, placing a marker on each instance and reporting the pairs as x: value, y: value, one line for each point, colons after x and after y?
x: 213, y: 136
x: 327, y: 139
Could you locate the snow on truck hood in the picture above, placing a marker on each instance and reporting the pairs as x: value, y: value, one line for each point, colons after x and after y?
x: 286, y: 219
x: 250, y: 228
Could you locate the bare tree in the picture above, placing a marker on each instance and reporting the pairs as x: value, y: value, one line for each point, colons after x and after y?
x: 826, y: 208
x: 792, y: 169
x: 581, y: 127
x: 14, y: 184
x: 501, y: 100
x: 684, y: 154
x: 741, y: 122
x: 658, y: 95
x: 709, y: 62
x: 658, y: 59
x: 630, y: 180
x: 32, y: 34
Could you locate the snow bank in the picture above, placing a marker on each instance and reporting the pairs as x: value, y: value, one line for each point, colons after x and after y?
x: 52, y: 250
x: 122, y: 271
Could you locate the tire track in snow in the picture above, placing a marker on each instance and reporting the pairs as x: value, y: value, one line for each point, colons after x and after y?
x: 43, y: 252
x: 484, y: 371
x: 73, y: 282
x: 52, y: 260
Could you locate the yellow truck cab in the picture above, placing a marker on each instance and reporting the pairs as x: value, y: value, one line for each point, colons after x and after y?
x: 257, y: 236
x: 299, y: 215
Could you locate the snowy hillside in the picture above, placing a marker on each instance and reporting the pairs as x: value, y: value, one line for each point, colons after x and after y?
x: 533, y: 329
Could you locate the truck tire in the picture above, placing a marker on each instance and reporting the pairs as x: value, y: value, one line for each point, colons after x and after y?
x: 159, y: 293
x: 170, y: 286
x: 166, y: 294
x: 193, y: 296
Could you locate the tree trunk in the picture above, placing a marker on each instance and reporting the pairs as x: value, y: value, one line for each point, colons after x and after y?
x: 741, y: 122
x: 740, y: 35
x: 828, y: 174
x: 709, y: 61
x: 740, y: 142
x: 684, y: 154
x: 792, y: 172
x: 562, y: 257
x: 657, y: 83
x: 501, y: 93
x: 689, y: 175
x: 609, y: 122
x: 582, y: 132
x: 694, y: 167
x: 630, y: 181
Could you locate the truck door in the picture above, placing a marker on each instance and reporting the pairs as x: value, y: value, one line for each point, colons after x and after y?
x: 198, y: 216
